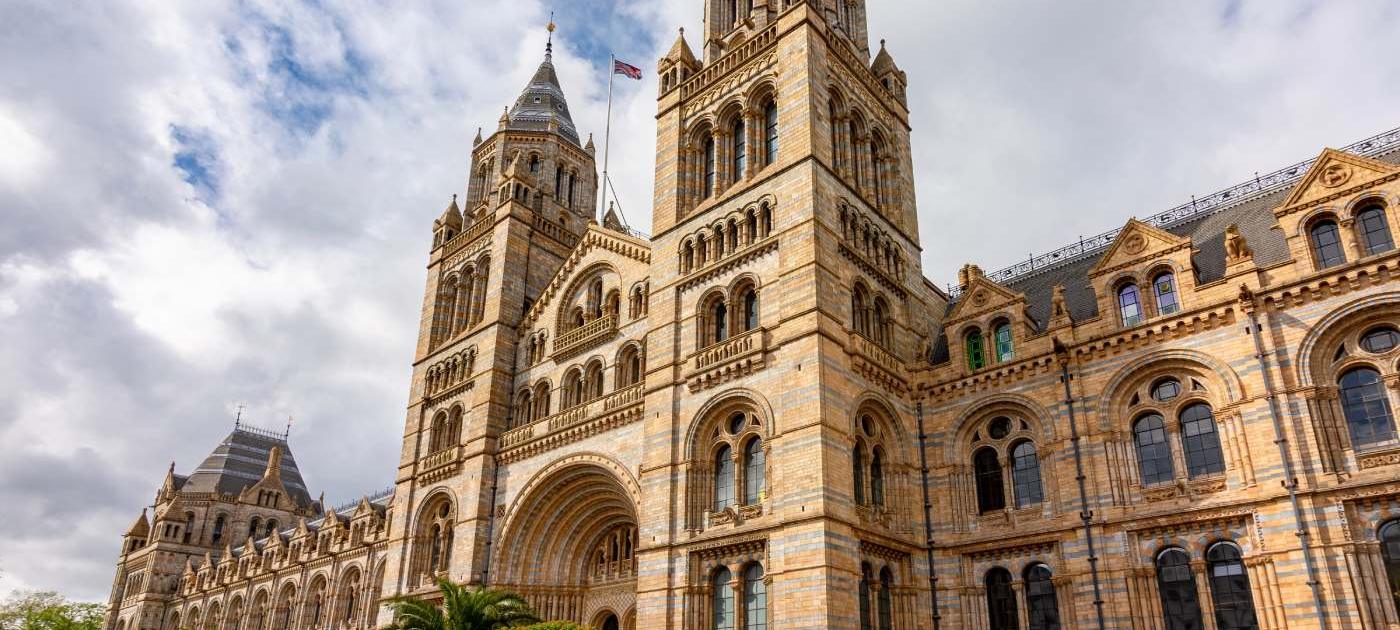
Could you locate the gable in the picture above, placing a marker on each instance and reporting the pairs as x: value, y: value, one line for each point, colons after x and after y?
x: 1137, y: 241
x: 617, y: 244
x: 1335, y: 170
x: 982, y: 296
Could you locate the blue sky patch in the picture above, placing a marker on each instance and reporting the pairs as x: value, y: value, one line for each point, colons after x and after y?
x: 197, y: 159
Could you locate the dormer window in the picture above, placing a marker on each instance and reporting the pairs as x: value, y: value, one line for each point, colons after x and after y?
x: 1164, y: 285
x: 1375, y: 232
x: 976, y: 358
x: 1129, y: 305
x: 1004, y: 345
x: 1326, y: 244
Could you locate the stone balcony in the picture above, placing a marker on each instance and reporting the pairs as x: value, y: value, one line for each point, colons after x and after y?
x: 874, y: 362
x: 439, y: 465
x: 575, y: 423
x: 590, y: 334
x: 736, y: 356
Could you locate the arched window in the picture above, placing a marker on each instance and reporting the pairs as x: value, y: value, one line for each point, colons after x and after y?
x: 1042, y: 607
x: 723, y: 599
x: 886, y: 599
x: 852, y: 135
x: 189, y: 527
x: 1001, y: 600
x: 534, y: 163
x: 976, y: 360
x: 1164, y: 286
x: 755, y: 464
x: 1025, y: 474
x: 218, y: 534
x: 880, y: 316
x: 1390, y: 551
x: 1229, y: 588
x: 858, y: 315
x: 1326, y: 244
x: 1200, y: 441
x: 865, y: 617
x: 858, y: 472
x: 724, y: 478
x: 1129, y: 306
x: 1005, y: 349
x: 877, y: 478
x: 750, y: 301
x: 755, y: 598
x: 1177, y: 587
x: 770, y: 131
x: 253, y: 527
x: 740, y: 148
x: 1154, y: 454
x: 719, y: 316
x: 558, y: 183
x: 991, y: 495
x: 1366, y: 408
x: 1375, y: 232
x: 709, y: 166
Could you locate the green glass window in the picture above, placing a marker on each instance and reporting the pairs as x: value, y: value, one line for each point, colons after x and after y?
x: 976, y: 360
x: 1005, y: 350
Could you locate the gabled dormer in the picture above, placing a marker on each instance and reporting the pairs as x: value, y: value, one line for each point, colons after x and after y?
x: 269, y: 492
x: 988, y: 323
x: 1342, y: 210
x: 1145, y: 273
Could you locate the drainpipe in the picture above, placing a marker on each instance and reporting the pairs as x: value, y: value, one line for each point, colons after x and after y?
x: 490, y: 524
x: 1085, y: 514
x: 928, y: 518
x: 1290, y: 480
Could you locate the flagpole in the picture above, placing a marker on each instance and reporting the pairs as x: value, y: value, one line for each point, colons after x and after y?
x: 607, y: 133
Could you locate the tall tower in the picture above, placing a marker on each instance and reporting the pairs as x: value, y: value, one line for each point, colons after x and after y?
x: 530, y: 196
x: 787, y: 304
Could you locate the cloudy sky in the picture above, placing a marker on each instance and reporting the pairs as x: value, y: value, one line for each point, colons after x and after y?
x: 204, y: 204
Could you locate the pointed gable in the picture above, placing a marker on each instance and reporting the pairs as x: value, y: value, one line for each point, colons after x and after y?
x: 1334, y: 171
x: 595, y: 237
x: 1138, y: 242
x: 981, y: 295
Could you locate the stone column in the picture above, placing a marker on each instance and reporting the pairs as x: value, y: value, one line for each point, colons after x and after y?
x: 1205, y: 599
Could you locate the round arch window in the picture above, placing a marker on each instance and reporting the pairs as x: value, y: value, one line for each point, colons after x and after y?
x: 1380, y: 339
x: 1166, y: 389
x: 999, y: 428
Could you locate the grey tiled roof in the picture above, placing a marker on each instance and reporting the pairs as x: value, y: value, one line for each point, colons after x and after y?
x: 240, y: 460
x: 543, y: 102
x: 1254, y: 216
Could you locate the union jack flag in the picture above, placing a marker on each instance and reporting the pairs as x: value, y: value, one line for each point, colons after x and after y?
x: 626, y: 69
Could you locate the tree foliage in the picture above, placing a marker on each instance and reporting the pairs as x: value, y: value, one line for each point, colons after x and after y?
x: 462, y: 608
x: 46, y: 610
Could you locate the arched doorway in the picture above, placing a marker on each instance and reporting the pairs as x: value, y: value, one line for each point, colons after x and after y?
x: 568, y: 544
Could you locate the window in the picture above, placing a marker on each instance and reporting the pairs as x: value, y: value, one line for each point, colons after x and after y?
x: 558, y: 182
x: 218, y: 534
x: 253, y: 527
x: 770, y: 131
x: 886, y: 599
x: 1200, y: 441
x: 1229, y: 588
x: 1025, y: 475
x: 865, y: 617
x: 1375, y: 233
x: 1005, y: 351
x: 1390, y: 551
x: 723, y: 594
x: 991, y: 496
x: 750, y: 301
x: 189, y: 527
x: 755, y: 599
x: 724, y: 479
x: 1380, y: 339
x: 1129, y: 307
x: 1042, y: 607
x: 709, y: 166
x: 1164, y: 285
x: 534, y: 163
x: 1327, y: 245
x: 754, y: 472
x: 740, y: 148
x: 1177, y: 587
x: 975, y: 359
x: 1166, y: 389
x: 1366, y: 408
x: 1001, y: 600
x: 719, y: 317
x: 858, y: 472
x: 877, y: 478
x: 1154, y: 454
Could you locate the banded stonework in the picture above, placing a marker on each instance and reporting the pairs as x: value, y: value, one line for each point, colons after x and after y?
x: 764, y: 415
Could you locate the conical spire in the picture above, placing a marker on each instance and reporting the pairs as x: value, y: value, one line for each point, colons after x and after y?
x: 541, y: 106
x: 883, y: 62
x: 680, y: 51
x: 451, y: 217
x: 141, y: 528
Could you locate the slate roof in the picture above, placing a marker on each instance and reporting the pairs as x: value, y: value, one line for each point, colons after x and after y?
x: 1253, y: 215
x: 543, y: 102
x: 240, y: 460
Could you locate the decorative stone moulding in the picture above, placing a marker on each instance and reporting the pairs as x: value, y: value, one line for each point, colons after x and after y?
x: 732, y: 358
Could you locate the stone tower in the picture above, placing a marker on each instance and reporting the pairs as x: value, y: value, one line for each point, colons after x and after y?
x: 786, y: 292
x: 530, y: 196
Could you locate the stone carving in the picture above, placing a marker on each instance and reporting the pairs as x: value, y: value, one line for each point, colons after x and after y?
x: 1335, y: 175
x: 1236, y: 248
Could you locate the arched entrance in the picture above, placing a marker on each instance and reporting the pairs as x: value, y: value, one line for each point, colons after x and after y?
x: 568, y: 544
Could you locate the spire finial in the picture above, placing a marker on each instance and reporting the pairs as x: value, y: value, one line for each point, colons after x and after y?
x: 882, y: 42
x: 238, y: 418
x: 549, y: 41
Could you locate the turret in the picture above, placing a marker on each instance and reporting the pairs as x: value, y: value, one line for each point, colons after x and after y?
x: 677, y: 66
x: 889, y: 75
x: 448, y: 224
x: 137, y: 535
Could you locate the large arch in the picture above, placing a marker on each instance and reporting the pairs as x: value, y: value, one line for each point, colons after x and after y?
x: 1117, y: 388
x: 1309, y: 361
x: 568, y: 542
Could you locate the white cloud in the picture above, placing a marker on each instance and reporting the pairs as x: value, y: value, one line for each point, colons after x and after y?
x: 210, y: 203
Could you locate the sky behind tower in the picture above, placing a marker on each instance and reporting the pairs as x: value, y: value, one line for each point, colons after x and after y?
x: 211, y: 203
